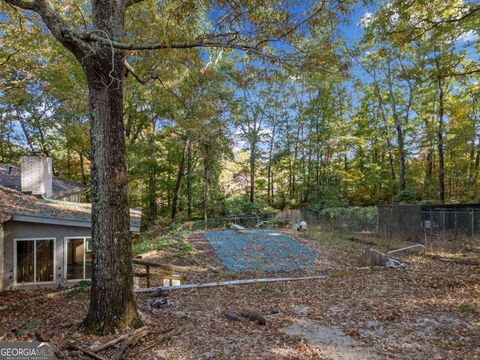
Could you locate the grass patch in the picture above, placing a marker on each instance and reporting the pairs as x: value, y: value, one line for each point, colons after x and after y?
x: 327, y: 236
x: 468, y: 308
x: 27, y: 326
x: 174, y: 244
x: 82, y: 287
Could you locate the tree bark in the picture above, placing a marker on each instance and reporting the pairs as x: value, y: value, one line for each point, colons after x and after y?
x: 82, y: 169
x: 269, y: 166
x: 441, y: 155
x: 151, y: 196
x: 429, y: 157
x: 206, y: 169
x: 178, y: 183
x: 253, y: 146
x: 387, y: 135
x: 112, y: 302
x: 189, y: 180
x: 399, y: 129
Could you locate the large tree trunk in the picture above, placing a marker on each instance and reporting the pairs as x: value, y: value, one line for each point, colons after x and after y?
x: 399, y: 129
x: 429, y: 157
x: 112, y: 302
x: 387, y: 136
x: 178, y: 183
x: 317, y: 158
x: 401, y: 155
x: 269, y: 167
x: 152, y: 206
x: 441, y: 156
x: 82, y: 169
x: 272, y: 184
x: 189, y: 180
x: 206, y: 169
x: 253, y: 146
x: 441, y: 153
x: 477, y: 156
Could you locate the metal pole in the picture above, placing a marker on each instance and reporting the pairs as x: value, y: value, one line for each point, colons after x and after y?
x: 473, y: 222
x: 456, y: 213
x: 431, y: 225
x: 424, y: 228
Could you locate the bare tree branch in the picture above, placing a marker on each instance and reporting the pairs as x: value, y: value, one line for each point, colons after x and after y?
x: 132, y: 2
x: 26, y: 5
x: 432, y: 24
x: 454, y: 20
x: 174, y: 45
x: 145, y: 80
x: 9, y: 57
x: 455, y: 74
x: 295, y: 27
x: 55, y: 23
x: 132, y: 71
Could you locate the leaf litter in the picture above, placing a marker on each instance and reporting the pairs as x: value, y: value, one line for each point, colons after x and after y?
x: 429, y: 310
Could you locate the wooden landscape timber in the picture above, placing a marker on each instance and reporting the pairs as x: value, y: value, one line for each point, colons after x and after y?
x: 161, y: 265
x: 231, y: 282
x: 167, y: 271
x: 72, y: 346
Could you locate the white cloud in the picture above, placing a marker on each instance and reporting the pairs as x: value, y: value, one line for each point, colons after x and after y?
x: 366, y: 19
x: 468, y: 36
x: 394, y: 18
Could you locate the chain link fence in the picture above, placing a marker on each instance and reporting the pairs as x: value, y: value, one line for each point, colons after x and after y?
x: 416, y: 223
x: 349, y: 219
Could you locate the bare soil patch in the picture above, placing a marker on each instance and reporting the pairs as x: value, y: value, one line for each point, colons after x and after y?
x: 429, y: 310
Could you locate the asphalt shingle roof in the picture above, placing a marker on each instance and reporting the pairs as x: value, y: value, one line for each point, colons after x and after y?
x: 10, y: 177
x: 14, y: 202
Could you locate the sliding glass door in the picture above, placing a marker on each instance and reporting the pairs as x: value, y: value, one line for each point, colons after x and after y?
x: 78, y: 258
x: 34, y: 260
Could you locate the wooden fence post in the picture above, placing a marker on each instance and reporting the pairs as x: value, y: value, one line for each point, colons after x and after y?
x: 148, y: 276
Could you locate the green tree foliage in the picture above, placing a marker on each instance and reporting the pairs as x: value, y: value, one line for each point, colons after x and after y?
x: 393, y: 118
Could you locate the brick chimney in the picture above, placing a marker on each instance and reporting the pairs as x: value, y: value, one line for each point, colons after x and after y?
x: 37, y: 175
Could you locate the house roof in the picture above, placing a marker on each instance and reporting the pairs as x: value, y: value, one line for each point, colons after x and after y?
x: 18, y: 206
x: 10, y: 177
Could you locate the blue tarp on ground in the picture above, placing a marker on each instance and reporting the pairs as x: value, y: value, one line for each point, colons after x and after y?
x: 260, y: 250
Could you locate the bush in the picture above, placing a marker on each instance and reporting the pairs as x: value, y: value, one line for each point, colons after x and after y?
x: 329, y: 199
x: 354, y: 217
x: 407, y: 196
x: 240, y: 205
x: 162, y: 243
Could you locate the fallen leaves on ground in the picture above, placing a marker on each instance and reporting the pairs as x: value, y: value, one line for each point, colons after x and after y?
x: 429, y: 310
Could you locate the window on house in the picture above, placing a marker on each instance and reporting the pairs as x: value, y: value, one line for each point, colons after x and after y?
x: 34, y: 260
x: 79, y: 258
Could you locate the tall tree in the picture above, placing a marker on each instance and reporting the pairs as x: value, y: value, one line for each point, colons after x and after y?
x: 100, y: 48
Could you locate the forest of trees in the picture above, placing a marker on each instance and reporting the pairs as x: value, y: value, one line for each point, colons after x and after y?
x: 208, y: 108
x: 392, y: 116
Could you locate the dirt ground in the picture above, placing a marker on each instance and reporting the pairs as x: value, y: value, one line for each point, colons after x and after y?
x: 427, y: 310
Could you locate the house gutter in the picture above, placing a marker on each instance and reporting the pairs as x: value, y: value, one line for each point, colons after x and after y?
x: 39, y: 219
x: 133, y: 228
x: 4, y: 217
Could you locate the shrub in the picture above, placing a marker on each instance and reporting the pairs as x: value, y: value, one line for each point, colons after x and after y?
x: 239, y: 205
x: 162, y: 243
x: 351, y: 217
x: 329, y: 199
x: 407, y: 196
